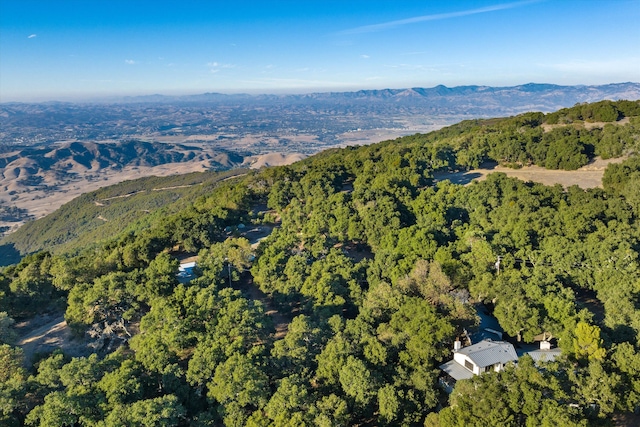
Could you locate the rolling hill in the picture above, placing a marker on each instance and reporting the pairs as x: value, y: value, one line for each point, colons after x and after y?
x: 54, y: 164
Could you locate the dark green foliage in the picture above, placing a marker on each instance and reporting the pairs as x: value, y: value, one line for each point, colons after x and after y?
x: 375, y: 272
x: 30, y: 287
x: 603, y: 111
x: 105, y: 213
x: 619, y: 176
x: 516, y: 396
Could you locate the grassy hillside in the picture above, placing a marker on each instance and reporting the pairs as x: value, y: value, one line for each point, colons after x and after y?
x: 104, y: 214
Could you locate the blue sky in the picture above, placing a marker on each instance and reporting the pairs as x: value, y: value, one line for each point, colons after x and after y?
x: 78, y: 49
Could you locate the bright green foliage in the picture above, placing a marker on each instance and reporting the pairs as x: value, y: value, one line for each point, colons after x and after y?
x: 12, y: 384
x: 239, y: 381
x: 47, y: 378
x: 123, y: 384
x: 111, y: 298
x: 587, y: 344
x: 59, y: 409
x: 388, y: 403
x: 230, y: 257
x: 79, y: 402
x: 30, y: 288
x: 162, y: 411
x: 297, y: 351
x: 356, y: 382
x: 627, y: 360
x: 159, y: 278
x: 289, y: 405
x: 330, y: 410
x: 595, y: 386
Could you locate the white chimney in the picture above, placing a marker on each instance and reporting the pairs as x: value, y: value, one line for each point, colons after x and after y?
x: 545, y: 345
x: 457, y: 345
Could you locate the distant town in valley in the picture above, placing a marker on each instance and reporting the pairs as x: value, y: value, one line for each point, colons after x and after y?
x: 52, y: 152
x: 258, y: 124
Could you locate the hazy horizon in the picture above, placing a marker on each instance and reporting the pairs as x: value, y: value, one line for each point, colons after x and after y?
x: 116, y: 98
x: 73, y: 50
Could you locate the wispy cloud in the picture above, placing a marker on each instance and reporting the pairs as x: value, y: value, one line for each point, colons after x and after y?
x: 216, y: 67
x: 365, y: 56
x: 435, y: 17
x: 129, y: 61
x: 32, y: 36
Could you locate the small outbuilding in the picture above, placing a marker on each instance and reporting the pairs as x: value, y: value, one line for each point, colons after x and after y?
x: 545, y: 353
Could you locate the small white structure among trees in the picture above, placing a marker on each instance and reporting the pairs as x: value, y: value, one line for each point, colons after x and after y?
x: 478, y: 358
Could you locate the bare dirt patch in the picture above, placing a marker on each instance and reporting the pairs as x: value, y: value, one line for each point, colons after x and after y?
x: 626, y: 419
x: 589, y: 176
x: 273, y: 159
x: 587, y: 125
x: 45, y: 333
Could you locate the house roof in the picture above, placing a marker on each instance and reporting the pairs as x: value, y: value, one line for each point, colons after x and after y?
x: 187, y: 266
x: 457, y: 371
x: 487, y: 353
x: 544, y: 355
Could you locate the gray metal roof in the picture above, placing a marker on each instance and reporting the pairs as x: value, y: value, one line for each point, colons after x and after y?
x: 544, y: 355
x: 487, y: 353
x: 457, y: 371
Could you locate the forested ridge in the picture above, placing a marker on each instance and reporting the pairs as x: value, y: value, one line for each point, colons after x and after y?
x: 377, y: 269
x: 103, y: 214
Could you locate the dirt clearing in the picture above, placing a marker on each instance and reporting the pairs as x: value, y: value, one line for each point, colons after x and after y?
x: 589, y: 176
x: 45, y: 333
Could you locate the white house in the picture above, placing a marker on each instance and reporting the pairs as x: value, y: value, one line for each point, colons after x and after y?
x: 485, y: 356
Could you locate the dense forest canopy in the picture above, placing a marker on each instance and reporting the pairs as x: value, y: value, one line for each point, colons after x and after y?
x: 376, y: 270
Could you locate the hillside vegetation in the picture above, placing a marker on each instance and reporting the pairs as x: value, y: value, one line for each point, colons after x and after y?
x: 515, y: 142
x: 106, y: 213
x: 378, y: 271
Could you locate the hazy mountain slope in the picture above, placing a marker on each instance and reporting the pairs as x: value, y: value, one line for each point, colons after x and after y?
x: 484, y: 99
x: 51, y: 165
x: 36, y: 180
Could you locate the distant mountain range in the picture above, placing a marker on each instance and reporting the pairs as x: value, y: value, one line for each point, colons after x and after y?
x: 482, y: 99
